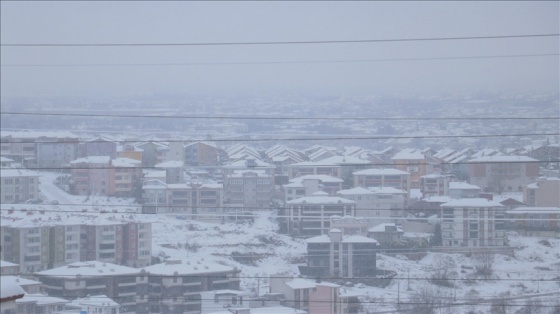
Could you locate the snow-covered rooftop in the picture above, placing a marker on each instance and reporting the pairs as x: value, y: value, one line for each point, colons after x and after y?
x: 41, y: 299
x: 92, y: 160
x: 381, y: 172
x: 170, y: 164
x: 321, y: 200
x: 381, y: 227
x: 8, y: 173
x: 462, y: 186
x: 503, y: 159
x: 472, y: 202
x: 87, y: 269
x: 192, y: 267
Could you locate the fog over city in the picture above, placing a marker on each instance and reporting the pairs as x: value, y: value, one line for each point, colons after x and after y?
x: 279, y: 157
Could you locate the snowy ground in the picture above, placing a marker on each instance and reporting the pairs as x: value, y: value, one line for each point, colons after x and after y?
x: 259, y: 252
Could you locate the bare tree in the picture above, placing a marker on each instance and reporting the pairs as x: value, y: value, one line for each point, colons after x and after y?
x: 484, y: 264
x: 425, y: 301
x: 444, y: 269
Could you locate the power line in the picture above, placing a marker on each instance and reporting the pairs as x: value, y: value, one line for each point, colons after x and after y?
x: 327, y: 138
x: 221, y: 117
x: 276, y: 42
x: 277, y: 62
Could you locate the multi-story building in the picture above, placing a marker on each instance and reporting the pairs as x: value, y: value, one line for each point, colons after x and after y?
x: 338, y: 255
x: 434, y: 185
x: 99, y: 146
x: 335, y: 166
x: 19, y: 146
x: 102, y: 176
x: 311, y: 296
x: 473, y: 222
x: 309, y: 184
x: 534, y: 220
x: 7, y: 268
x: 126, y: 285
x: 153, y: 152
x: 248, y: 164
x: 6, y: 162
x: 129, y: 151
x: 36, y: 242
x: 503, y: 173
x: 56, y: 152
x: 386, y: 233
x: 384, y: 204
x: 175, y: 285
x: 249, y: 189
x: 40, y: 303
x: 202, y: 154
x: 173, y: 171
x: 197, y: 200
x: 18, y: 185
x: 416, y: 163
x: 543, y: 193
x: 309, y: 216
x: 375, y: 178
x: 458, y: 190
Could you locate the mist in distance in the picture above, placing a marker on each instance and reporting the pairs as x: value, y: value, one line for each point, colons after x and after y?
x: 276, y: 69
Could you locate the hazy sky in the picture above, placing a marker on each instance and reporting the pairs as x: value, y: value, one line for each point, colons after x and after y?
x: 176, y: 22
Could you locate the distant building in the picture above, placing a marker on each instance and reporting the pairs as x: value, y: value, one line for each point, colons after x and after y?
x: 94, y: 304
x: 6, y: 162
x: 309, y: 216
x: 202, y: 154
x: 152, y: 152
x: 129, y: 151
x: 434, y: 185
x: 385, y: 204
x: 335, y: 166
x: 249, y: 189
x: 8, y: 269
x: 463, y: 190
x: 56, y: 153
x: 473, y: 222
x: 534, y: 220
x: 377, y: 178
x: 386, y: 233
x: 36, y: 244
x: 503, y: 173
x: 543, y: 193
x: 312, y: 296
x: 40, y: 303
x: 126, y: 285
x: 99, y: 146
x: 309, y: 184
x: 338, y: 255
x: 174, y: 172
x: 17, y: 185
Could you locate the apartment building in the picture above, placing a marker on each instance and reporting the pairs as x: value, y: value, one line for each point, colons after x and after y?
x: 542, y: 221
x: 202, y: 154
x: 100, y: 175
x: 18, y: 185
x: 311, y: 296
x: 434, y: 185
x: 56, y: 152
x: 174, y: 172
x: 248, y: 164
x: 309, y: 184
x: 175, y: 285
x: 310, y: 216
x: 503, y: 173
x: 6, y: 162
x: 335, y: 166
x: 126, y: 285
x: 99, y: 146
x: 37, y: 241
x: 385, y: 204
x: 338, y: 255
x: 129, y: 151
x: 376, y: 178
x: 152, y: 152
x: 416, y: 163
x: 458, y: 190
x: 199, y: 201
x: 19, y: 146
x: 542, y: 193
x: 249, y: 189
x: 473, y: 222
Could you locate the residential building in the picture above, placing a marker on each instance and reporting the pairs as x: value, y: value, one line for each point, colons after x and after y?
x: 310, y: 216
x: 249, y: 189
x: 202, y: 154
x: 6, y: 162
x: 175, y: 285
x: 8, y: 269
x: 335, y: 166
x: 152, y: 152
x: 309, y: 295
x: 338, y: 255
x: 434, y: 185
x: 95, y: 304
x: 309, y: 184
x: 19, y: 146
x: 350, y: 225
x: 458, y: 190
x: 218, y: 300
x: 40, y: 303
x: 99, y: 146
x: 129, y: 151
x: 28, y: 285
x: 56, y: 153
x: 37, y: 242
x: 380, y: 204
x: 9, y: 294
x: 386, y: 233
x: 99, y: 175
x: 503, y: 173
x: 416, y: 163
x: 543, y: 193
x: 375, y: 178
x: 473, y: 222
x: 127, y: 286
x: 248, y: 164
x: 534, y: 220
x: 17, y: 185
x: 173, y: 171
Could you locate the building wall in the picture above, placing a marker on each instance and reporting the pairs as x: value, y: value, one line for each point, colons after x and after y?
x: 473, y: 226
x: 18, y: 188
x: 544, y: 195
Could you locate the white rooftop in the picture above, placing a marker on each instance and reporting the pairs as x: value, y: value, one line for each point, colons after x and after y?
x: 88, y: 269
x: 503, y: 159
x: 462, y: 186
x: 10, y: 173
x: 92, y: 160
x: 472, y: 202
x: 381, y: 172
x: 191, y: 267
x: 321, y: 200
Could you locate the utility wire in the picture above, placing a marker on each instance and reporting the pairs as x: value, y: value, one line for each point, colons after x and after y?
x: 38, y: 65
x: 276, y: 42
x: 327, y: 138
x: 220, y: 117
